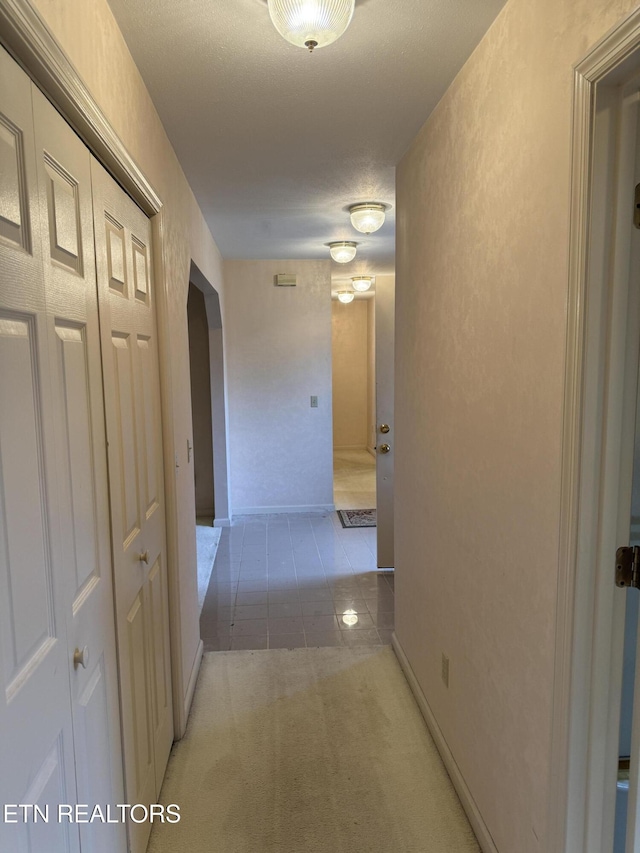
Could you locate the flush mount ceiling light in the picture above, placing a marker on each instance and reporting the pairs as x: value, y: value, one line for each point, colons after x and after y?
x: 346, y: 296
x: 343, y: 251
x: 367, y: 217
x: 362, y: 282
x: 311, y: 23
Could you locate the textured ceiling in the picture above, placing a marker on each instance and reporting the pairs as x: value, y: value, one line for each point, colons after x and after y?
x: 277, y: 142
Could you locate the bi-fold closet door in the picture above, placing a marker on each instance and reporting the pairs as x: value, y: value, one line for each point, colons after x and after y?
x: 132, y: 397
x: 64, y: 535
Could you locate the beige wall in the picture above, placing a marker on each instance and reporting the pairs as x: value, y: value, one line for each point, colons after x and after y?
x: 89, y: 35
x: 278, y: 350
x: 371, y: 374
x: 483, y: 215
x: 349, y: 343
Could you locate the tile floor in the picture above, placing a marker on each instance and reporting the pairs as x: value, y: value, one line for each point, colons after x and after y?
x: 290, y: 581
x: 354, y: 479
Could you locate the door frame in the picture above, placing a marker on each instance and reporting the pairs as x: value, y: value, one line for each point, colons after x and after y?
x: 26, y: 36
x: 219, y: 414
x: 598, y: 424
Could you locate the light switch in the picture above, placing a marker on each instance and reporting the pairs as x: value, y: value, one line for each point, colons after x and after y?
x: 314, y: 402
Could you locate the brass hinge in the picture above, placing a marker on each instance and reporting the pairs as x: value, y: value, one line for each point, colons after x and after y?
x: 628, y: 566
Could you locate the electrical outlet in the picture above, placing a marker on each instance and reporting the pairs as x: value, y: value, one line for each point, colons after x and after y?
x: 314, y: 402
x: 445, y: 670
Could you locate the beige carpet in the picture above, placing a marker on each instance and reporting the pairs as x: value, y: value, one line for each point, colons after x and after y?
x: 308, y: 751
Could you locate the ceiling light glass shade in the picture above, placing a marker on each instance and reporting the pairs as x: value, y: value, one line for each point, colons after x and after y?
x: 368, y: 217
x: 346, y: 296
x: 343, y: 252
x: 311, y: 23
x: 361, y: 282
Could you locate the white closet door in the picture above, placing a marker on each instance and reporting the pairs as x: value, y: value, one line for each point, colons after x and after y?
x: 132, y: 398
x: 36, y: 740
x: 64, y: 183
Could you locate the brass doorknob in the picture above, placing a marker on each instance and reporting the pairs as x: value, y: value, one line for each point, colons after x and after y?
x: 385, y: 428
x: 385, y: 448
x: 144, y: 557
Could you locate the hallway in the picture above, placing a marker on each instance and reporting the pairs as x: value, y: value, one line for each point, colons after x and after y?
x: 146, y: 147
x: 308, y: 751
x: 290, y: 581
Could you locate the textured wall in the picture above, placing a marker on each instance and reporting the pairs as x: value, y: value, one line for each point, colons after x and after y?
x: 278, y: 349
x: 90, y: 36
x: 483, y: 214
x: 350, y: 372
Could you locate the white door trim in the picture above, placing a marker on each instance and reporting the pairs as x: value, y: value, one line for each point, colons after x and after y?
x: 27, y: 37
x: 587, y: 641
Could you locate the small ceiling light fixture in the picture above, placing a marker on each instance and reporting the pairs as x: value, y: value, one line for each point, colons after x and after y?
x: 311, y: 23
x: 362, y: 282
x: 346, y: 296
x: 343, y: 251
x: 367, y: 217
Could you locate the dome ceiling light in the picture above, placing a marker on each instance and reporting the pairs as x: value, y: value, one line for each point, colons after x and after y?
x: 343, y: 251
x: 367, y: 217
x: 346, y: 296
x: 311, y: 23
x: 361, y: 282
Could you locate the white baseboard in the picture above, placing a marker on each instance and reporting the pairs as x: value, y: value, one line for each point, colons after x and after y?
x: 269, y: 510
x: 222, y: 522
x: 472, y: 811
x: 188, y: 699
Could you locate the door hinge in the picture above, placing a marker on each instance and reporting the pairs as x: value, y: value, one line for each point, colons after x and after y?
x: 628, y: 566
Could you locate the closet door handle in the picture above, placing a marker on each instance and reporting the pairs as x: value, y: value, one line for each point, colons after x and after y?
x: 81, y: 657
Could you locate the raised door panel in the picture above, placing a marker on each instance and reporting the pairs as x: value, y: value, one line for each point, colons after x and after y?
x: 128, y: 460
x: 26, y: 605
x: 148, y: 426
x: 63, y: 208
x: 44, y: 831
x: 95, y: 779
x: 138, y: 639
x: 135, y: 661
x: 14, y: 204
x: 79, y: 454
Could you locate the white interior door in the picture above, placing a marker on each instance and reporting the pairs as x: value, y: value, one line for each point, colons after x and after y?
x: 36, y: 752
x: 132, y: 397
x: 59, y: 728
x: 385, y: 338
x: 64, y: 184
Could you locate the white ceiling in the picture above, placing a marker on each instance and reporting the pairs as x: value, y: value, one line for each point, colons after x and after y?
x: 277, y: 142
